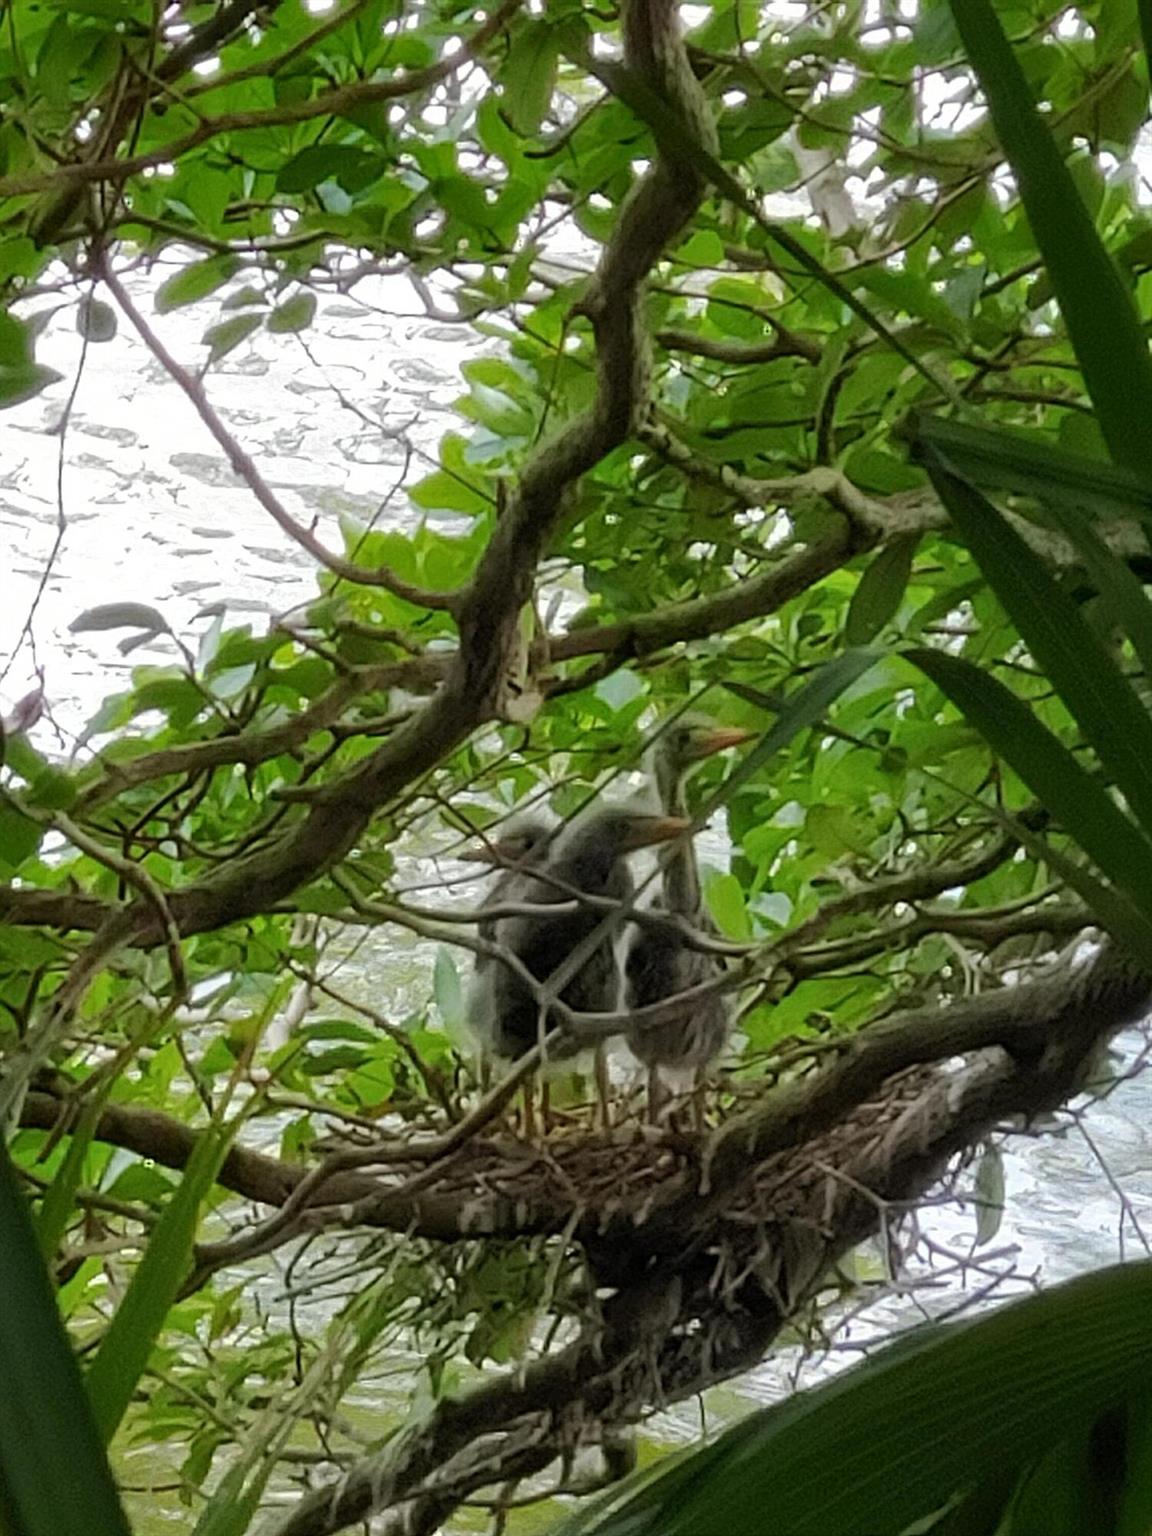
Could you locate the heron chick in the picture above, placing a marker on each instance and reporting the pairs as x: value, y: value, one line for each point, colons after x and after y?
x: 660, y: 963
x: 587, y: 858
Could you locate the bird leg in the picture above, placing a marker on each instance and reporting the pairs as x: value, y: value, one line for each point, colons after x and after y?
x: 656, y: 1097
x: 603, y: 1086
x: 528, y: 1107
x: 700, y: 1100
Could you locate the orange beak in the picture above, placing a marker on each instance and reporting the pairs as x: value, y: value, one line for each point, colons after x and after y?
x: 706, y: 742
x: 646, y: 830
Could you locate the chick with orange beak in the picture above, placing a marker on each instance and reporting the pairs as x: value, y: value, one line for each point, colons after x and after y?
x: 659, y: 963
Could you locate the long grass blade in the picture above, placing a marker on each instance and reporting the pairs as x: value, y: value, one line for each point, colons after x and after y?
x: 54, y: 1475
x: 804, y: 708
x: 123, y: 1354
x: 1077, y: 800
x: 1007, y: 461
x: 1018, y: 1382
x: 58, y: 1202
x: 1095, y: 691
x: 1098, y: 309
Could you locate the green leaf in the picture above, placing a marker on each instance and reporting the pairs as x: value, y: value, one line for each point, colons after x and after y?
x: 53, y: 1470
x: 95, y: 320
x: 725, y: 897
x: 1008, y: 461
x: 120, y: 616
x: 988, y: 1190
x: 880, y: 590
x: 1069, y: 487
x: 52, y: 790
x: 244, y: 298
x: 16, y: 341
x: 1096, y: 692
x: 19, y: 837
x: 124, y: 1351
x: 58, y: 1204
x: 24, y: 381
x: 1079, y: 801
x: 196, y: 281
x: 226, y: 336
x: 1102, y: 322
x: 528, y: 76
x: 350, y: 168
x: 295, y: 314
x: 803, y: 709
x: 1018, y: 1382
x: 448, y: 992
x: 681, y: 144
x: 444, y: 491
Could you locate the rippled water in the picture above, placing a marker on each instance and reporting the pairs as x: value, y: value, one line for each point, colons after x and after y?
x: 153, y: 514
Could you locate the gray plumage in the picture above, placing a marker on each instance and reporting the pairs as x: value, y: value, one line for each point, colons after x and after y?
x: 589, y: 856
x: 659, y: 963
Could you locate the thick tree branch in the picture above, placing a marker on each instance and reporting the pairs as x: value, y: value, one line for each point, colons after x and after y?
x: 742, y: 354
x: 720, y: 1295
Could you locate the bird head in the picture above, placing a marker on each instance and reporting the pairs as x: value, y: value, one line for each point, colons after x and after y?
x: 692, y: 738
x: 512, y: 845
x: 632, y: 829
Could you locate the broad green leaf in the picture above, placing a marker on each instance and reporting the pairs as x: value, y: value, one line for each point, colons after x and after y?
x: 19, y: 837
x: 344, y: 164
x: 1102, y: 322
x: 528, y: 76
x: 24, y: 381
x: 725, y: 897
x: 196, y: 281
x: 54, y: 1475
x: 226, y: 335
x: 1018, y: 1381
x: 244, y: 298
x: 880, y: 591
x: 446, y: 492
x: 52, y: 790
x: 16, y: 341
x: 124, y: 1350
x: 295, y: 314
x: 1099, y: 697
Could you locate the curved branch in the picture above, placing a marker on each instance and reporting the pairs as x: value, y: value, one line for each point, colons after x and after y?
x: 742, y: 354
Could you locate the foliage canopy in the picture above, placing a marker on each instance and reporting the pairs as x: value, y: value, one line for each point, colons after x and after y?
x: 766, y: 315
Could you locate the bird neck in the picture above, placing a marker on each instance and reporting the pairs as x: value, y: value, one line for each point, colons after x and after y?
x: 681, y: 875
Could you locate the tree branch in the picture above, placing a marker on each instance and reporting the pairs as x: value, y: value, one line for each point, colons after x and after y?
x: 339, y: 102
